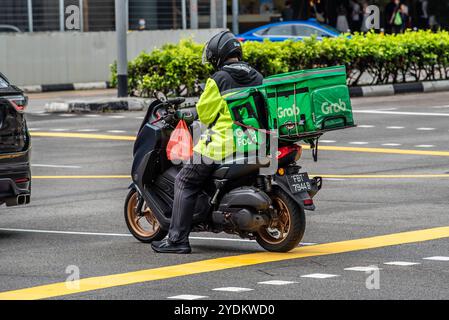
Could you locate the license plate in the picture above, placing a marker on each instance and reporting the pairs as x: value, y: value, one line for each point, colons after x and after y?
x: 299, y: 182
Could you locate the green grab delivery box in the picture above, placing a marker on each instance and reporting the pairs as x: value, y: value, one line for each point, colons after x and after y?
x: 242, y: 105
x: 296, y: 106
x: 308, y: 102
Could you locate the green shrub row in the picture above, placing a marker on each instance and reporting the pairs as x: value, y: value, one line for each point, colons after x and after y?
x: 382, y: 59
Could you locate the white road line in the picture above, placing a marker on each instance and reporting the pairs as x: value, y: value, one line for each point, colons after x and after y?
x: 67, y: 232
x: 327, y: 141
x: 425, y: 146
x: 187, y: 297
x: 359, y: 143
x: 59, y: 130
x: 116, y: 117
x: 66, y: 115
x: 363, y: 269
x: 319, y: 276
x: 116, y: 131
x: 128, y: 235
x: 140, y: 118
x: 437, y: 258
x: 87, y: 130
x: 387, y: 109
x: 92, y: 115
x: 55, y: 166
x: 425, y: 129
x: 365, y: 126
x: 395, y: 128
x: 277, y: 282
x: 391, y: 144
x: 34, y: 129
x: 402, y: 113
x: 440, y: 107
x: 233, y: 289
x: 401, y: 263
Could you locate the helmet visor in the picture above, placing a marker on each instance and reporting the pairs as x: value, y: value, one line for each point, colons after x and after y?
x: 204, y: 58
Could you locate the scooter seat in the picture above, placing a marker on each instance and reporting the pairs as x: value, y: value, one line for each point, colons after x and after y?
x: 234, y: 169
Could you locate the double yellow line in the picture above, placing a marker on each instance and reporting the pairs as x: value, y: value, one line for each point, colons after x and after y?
x: 327, y: 148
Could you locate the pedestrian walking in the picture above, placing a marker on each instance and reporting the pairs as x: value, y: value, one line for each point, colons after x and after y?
x: 366, y: 14
x: 390, y: 10
x: 318, y: 10
x: 395, y: 21
x: 423, y: 14
x: 287, y: 12
x: 342, y: 19
x: 406, y: 19
x: 356, y: 16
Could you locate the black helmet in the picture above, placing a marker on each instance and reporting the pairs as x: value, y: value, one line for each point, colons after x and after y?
x: 220, y: 48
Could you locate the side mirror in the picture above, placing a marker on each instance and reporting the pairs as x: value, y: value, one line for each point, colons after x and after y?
x: 199, y: 86
x: 161, y: 96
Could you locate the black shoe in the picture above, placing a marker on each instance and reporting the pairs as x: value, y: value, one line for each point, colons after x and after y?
x: 166, y: 246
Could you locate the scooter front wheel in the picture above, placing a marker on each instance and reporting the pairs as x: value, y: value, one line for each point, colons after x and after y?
x: 286, y: 233
x: 144, y: 227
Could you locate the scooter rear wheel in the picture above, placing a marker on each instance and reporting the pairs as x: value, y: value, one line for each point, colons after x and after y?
x: 286, y: 233
x: 146, y: 227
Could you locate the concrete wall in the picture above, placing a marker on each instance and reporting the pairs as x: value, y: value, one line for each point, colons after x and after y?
x: 57, y: 58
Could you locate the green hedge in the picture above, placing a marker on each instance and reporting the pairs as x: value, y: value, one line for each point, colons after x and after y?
x: 412, y: 56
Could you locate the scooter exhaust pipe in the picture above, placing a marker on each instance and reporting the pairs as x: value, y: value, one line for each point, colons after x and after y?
x: 22, y: 200
x: 19, y: 200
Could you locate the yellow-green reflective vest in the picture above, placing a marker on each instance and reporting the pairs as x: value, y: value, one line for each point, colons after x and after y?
x: 217, y: 142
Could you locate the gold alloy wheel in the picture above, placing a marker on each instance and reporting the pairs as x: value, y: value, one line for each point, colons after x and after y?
x: 145, y: 225
x: 277, y: 233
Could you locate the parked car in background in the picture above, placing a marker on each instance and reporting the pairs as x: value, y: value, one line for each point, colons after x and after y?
x: 293, y: 30
x: 9, y: 28
x: 15, y: 146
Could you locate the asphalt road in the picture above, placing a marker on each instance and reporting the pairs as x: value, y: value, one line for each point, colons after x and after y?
x: 372, y: 189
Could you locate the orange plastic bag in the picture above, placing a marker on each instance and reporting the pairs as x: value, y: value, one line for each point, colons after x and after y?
x: 180, y: 145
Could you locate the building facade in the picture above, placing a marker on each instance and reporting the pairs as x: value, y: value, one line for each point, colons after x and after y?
x: 99, y: 15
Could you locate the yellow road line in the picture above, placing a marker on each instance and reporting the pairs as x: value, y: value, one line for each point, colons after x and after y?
x: 385, y: 150
x: 383, y: 176
x: 326, y: 148
x: 81, y: 177
x: 82, y: 136
x: 199, y: 267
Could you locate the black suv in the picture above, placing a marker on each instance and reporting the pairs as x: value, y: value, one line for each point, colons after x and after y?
x: 15, y: 146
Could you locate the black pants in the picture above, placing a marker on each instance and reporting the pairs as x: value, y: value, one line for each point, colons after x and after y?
x: 188, y: 184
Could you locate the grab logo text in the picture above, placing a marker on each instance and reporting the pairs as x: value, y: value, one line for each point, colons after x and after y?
x: 244, y: 140
x: 328, y: 108
x: 293, y: 111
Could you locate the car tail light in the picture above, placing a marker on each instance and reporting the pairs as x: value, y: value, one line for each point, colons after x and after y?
x: 285, y: 151
x: 241, y: 39
x: 18, y: 102
x: 21, y: 180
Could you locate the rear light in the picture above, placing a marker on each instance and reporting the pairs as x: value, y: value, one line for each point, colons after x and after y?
x: 18, y: 102
x: 308, y: 202
x: 285, y: 151
x: 21, y: 180
x: 241, y: 39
